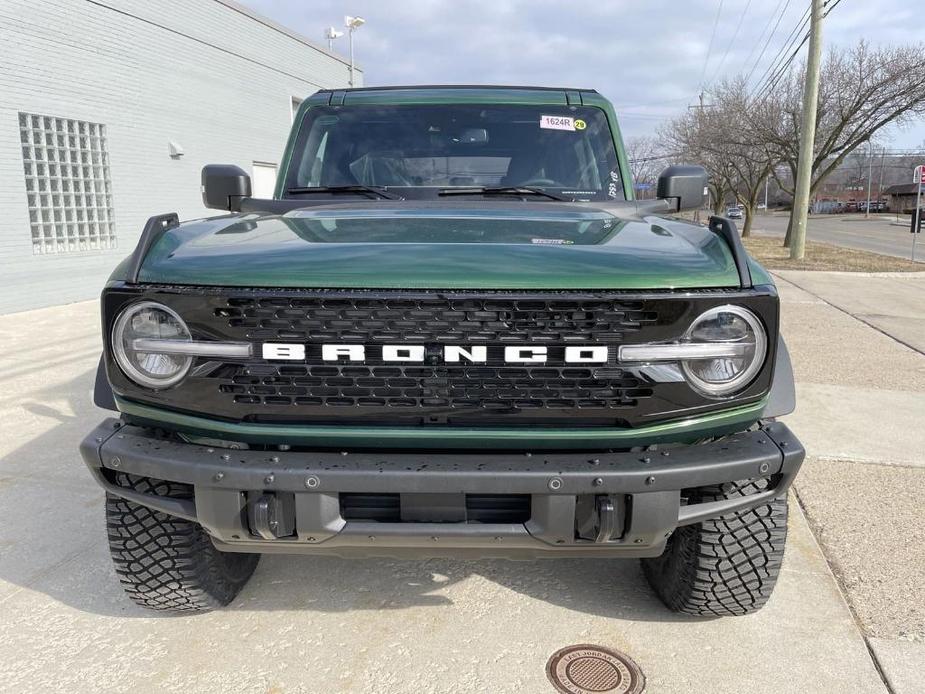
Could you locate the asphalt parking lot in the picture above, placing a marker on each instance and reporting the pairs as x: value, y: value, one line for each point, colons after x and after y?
x: 330, y: 625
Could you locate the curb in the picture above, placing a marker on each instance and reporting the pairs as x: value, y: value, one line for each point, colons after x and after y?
x: 914, y: 274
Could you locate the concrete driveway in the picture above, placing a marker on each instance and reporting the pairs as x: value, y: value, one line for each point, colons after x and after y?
x: 329, y: 625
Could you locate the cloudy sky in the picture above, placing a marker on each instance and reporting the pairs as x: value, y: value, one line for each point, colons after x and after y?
x: 650, y: 58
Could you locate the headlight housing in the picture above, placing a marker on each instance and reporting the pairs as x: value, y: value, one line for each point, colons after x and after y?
x: 149, y: 320
x: 720, y: 354
x: 737, y: 330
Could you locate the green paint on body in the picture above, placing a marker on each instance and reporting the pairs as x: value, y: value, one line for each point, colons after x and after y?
x: 425, y: 245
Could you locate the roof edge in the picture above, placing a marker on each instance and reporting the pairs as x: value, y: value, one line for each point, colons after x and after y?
x: 456, y: 86
x: 275, y: 26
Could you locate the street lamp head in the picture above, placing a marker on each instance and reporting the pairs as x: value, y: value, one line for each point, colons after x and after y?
x: 331, y: 33
x: 353, y: 22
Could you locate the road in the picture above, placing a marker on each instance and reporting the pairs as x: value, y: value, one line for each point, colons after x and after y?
x: 879, y: 234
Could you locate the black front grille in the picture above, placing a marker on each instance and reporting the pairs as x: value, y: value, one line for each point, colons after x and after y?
x: 490, y: 387
x: 433, y: 391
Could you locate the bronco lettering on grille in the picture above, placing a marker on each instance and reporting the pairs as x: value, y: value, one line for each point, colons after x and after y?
x: 476, y: 354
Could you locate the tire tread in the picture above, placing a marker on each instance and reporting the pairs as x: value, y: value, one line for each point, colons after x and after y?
x: 167, y: 563
x: 724, y: 566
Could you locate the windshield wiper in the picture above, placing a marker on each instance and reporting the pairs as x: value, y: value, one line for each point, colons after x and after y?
x: 502, y: 190
x: 375, y: 191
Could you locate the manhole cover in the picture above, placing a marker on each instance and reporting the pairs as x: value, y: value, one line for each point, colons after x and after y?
x: 587, y: 669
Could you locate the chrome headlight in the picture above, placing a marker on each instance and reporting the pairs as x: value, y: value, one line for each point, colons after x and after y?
x: 144, y: 322
x: 720, y: 354
x: 740, y: 333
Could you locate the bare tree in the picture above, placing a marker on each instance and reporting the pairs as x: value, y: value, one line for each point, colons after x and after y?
x: 647, y: 158
x: 862, y: 90
x: 687, y: 137
x: 723, y: 138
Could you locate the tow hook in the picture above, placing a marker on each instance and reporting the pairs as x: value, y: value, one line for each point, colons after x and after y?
x: 598, y: 518
x: 607, y: 519
x: 272, y: 516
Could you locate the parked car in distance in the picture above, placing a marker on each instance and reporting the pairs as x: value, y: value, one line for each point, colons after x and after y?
x: 734, y: 212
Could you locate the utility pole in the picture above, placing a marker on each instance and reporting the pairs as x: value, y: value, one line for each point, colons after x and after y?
x: 766, y: 181
x: 807, y: 135
x: 870, y: 175
x: 880, y: 183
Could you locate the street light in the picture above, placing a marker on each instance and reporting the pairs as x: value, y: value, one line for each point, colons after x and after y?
x: 330, y: 34
x: 352, y: 24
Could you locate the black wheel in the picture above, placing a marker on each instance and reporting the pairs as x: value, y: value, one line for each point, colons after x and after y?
x: 168, y: 563
x: 725, y: 566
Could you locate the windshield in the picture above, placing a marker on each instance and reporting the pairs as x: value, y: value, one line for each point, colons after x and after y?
x: 420, y: 151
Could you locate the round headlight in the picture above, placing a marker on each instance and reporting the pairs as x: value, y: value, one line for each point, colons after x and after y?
x: 741, y: 330
x: 145, y: 321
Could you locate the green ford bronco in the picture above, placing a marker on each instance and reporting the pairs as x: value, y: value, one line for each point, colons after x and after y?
x: 453, y: 331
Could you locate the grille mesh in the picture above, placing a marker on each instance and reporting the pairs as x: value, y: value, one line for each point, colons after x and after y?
x: 493, y: 386
x: 474, y: 320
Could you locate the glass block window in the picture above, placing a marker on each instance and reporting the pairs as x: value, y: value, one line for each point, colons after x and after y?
x: 68, y: 187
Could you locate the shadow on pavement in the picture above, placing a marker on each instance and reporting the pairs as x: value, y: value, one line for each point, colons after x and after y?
x: 59, y: 548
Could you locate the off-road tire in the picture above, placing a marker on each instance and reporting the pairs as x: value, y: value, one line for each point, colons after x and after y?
x: 725, y: 566
x: 168, y: 563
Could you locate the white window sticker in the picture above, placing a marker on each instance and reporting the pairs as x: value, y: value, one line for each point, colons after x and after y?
x: 557, y: 123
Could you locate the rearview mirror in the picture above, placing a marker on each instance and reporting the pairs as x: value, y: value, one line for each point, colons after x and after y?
x: 474, y: 136
x: 684, y: 185
x: 224, y: 186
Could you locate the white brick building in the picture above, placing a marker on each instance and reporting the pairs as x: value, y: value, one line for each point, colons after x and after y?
x: 108, y: 111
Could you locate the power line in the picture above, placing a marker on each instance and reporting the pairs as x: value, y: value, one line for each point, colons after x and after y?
x: 767, y: 26
x: 786, y: 46
x: 767, y: 43
x: 703, y: 73
x: 623, y: 107
x: 779, y: 74
x: 732, y: 41
x: 775, y: 77
x: 659, y: 157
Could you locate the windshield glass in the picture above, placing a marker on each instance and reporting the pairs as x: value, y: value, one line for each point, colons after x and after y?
x: 421, y: 150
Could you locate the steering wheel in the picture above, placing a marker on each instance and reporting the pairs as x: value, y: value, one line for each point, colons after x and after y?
x: 539, y: 182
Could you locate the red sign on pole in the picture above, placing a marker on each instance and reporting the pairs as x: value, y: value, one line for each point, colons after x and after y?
x: 919, y: 174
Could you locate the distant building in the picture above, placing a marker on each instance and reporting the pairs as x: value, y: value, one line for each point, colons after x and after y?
x: 902, y: 197
x: 110, y: 109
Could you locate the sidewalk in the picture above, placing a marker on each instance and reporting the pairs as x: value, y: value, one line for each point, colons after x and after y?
x: 858, y: 346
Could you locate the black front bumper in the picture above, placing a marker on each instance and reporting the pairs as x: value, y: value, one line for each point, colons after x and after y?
x: 646, y: 492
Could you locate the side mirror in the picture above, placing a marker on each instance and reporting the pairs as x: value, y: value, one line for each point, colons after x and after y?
x: 224, y: 185
x: 684, y: 185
